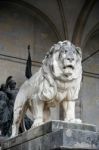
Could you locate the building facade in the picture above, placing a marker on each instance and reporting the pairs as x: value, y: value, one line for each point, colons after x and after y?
x: 41, y: 23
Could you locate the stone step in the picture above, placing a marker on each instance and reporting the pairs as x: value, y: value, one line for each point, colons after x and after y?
x: 54, y: 134
x: 72, y: 138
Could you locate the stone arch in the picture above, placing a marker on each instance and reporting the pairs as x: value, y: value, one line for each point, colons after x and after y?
x: 94, y: 30
x: 38, y: 11
x: 81, y: 21
x: 16, y: 20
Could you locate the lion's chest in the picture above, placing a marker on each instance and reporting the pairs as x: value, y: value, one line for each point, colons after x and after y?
x: 65, y: 91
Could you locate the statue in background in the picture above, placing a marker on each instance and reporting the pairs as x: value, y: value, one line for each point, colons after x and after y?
x: 8, y: 92
x: 57, y: 81
x: 4, y: 114
x: 7, y: 98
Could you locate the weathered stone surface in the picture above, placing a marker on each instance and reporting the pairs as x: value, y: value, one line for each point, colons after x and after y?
x: 55, y: 134
x: 65, y: 148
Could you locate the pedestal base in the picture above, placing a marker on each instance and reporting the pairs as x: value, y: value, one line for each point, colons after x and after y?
x: 55, y: 135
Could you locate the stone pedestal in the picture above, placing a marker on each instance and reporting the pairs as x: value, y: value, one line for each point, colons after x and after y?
x: 55, y: 135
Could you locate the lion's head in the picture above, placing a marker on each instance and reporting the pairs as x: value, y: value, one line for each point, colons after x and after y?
x: 64, y: 61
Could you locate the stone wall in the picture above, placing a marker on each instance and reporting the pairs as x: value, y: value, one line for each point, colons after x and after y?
x: 18, y: 28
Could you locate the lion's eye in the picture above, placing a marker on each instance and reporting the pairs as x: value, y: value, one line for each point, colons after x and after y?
x: 65, y: 51
x: 74, y: 52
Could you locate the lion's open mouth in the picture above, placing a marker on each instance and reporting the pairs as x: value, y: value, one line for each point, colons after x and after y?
x: 68, y: 66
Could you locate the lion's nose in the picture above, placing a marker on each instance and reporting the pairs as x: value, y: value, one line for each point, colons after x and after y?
x: 70, y: 59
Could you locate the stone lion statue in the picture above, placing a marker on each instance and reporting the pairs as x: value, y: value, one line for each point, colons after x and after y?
x: 57, y: 81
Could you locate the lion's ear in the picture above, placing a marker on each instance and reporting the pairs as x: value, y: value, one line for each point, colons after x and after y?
x: 78, y: 49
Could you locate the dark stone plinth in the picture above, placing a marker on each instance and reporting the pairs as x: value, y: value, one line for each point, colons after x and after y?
x: 65, y: 148
x: 55, y: 134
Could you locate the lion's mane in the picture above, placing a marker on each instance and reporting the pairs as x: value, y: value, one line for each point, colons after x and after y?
x: 52, y: 73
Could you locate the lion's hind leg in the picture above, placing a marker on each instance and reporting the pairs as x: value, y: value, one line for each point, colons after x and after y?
x: 19, y: 111
x: 16, y: 121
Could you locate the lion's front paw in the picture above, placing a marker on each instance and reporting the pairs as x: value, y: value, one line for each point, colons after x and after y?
x: 73, y: 120
x: 78, y: 120
x: 37, y: 122
x: 14, y: 130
